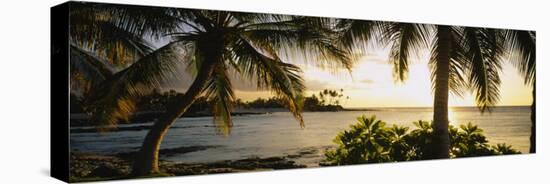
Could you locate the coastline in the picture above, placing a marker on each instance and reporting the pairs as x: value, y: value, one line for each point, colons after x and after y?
x: 95, y: 166
x: 87, y: 167
x: 82, y: 119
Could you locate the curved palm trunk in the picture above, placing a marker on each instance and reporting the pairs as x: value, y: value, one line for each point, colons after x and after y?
x: 533, y: 138
x: 210, y: 49
x: 440, y: 125
x: 146, y: 162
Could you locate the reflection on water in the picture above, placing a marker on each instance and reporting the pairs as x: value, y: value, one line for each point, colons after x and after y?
x: 278, y: 134
x: 452, y: 118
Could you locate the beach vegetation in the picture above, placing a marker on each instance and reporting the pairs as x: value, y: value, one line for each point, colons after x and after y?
x: 370, y: 140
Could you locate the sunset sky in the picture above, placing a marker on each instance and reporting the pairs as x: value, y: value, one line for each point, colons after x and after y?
x: 371, y: 84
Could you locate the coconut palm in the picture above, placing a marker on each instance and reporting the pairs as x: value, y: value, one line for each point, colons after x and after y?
x: 106, y: 38
x: 522, y: 44
x: 215, y: 45
x: 461, y: 58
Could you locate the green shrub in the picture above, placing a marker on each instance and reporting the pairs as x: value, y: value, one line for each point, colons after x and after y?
x: 371, y: 141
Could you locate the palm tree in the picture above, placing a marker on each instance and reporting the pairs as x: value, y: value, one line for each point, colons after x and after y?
x: 215, y: 45
x: 106, y: 38
x: 523, y: 47
x: 247, y: 44
x: 461, y: 58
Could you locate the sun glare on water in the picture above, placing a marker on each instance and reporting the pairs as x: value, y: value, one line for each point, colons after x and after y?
x: 453, y: 118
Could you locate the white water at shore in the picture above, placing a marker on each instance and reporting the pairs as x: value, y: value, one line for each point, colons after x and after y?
x: 278, y: 134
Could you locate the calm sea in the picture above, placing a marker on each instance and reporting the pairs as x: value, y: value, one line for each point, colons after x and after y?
x: 278, y: 134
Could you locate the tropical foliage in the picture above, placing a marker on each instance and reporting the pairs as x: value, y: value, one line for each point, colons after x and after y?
x: 331, y: 97
x: 372, y: 141
x: 328, y: 100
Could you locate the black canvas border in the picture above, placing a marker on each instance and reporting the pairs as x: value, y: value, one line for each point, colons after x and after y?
x: 59, y: 91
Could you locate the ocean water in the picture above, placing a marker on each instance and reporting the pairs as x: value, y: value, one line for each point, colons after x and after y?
x: 278, y: 134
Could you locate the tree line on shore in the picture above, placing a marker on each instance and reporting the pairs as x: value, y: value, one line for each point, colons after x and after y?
x: 156, y: 101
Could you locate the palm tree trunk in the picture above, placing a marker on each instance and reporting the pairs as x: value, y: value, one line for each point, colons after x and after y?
x: 210, y: 49
x: 533, y: 138
x: 440, y: 125
x: 146, y: 162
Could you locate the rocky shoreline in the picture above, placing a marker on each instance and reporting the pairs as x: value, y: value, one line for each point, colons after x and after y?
x: 93, y: 167
x: 134, y: 127
x: 82, y: 120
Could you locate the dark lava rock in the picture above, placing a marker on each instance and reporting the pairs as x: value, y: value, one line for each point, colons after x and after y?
x: 107, y: 170
x: 166, y: 152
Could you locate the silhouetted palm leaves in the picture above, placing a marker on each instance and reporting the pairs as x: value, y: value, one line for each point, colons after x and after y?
x: 523, y: 47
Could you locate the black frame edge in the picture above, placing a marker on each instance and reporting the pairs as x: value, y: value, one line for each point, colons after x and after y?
x: 59, y: 91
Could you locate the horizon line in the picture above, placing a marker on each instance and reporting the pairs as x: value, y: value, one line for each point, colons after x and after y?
x: 432, y: 106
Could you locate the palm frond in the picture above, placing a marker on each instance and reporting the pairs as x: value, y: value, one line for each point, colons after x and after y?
x: 406, y: 39
x: 92, y: 68
x: 219, y: 90
x: 483, y: 48
x: 357, y: 34
x: 151, y: 22
x: 259, y: 18
x: 303, y: 38
x: 94, y: 28
x: 522, y: 45
x: 270, y: 73
x: 115, y: 99
x: 116, y: 45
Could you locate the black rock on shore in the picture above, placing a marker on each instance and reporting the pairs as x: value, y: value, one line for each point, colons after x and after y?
x: 93, y: 167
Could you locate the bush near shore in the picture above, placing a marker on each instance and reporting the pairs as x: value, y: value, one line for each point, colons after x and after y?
x: 371, y: 141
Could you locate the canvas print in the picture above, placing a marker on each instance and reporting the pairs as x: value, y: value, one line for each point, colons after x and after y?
x: 161, y: 91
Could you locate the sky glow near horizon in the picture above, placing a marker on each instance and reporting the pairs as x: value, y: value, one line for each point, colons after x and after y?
x: 371, y: 84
